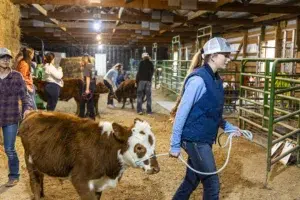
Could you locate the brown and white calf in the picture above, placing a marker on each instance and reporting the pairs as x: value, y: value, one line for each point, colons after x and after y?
x: 94, y: 156
x: 127, y: 89
x: 72, y: 89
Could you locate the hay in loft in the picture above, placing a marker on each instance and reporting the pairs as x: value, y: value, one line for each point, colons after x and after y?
x: 9, y: 26
x: 71, y: 67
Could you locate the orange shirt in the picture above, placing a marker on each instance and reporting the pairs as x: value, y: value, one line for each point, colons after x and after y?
x: 24, y: 69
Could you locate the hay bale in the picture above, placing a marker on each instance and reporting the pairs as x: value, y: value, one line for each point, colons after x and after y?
x: 9, y: 26
x: 1, y: 137
x: 71, y: 67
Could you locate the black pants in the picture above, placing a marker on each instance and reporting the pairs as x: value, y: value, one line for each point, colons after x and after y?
x: 90, y: 103
x: 52, y: 93
x: 110, y: 99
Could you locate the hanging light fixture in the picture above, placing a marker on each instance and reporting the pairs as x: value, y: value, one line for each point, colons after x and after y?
x: 98, y: 37
x: 97, y: 25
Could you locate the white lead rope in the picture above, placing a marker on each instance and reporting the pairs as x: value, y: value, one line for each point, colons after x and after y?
x: 247, y: 134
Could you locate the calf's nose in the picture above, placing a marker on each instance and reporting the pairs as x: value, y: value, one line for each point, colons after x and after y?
x: 156, y: 169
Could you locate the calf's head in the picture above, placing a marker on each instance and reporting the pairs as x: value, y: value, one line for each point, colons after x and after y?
x: 139, y: 151
x: 101, y: 88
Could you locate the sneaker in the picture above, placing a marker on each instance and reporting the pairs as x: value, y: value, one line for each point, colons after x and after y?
x: 140, y: 113
x: 110, y: 106
x: 11, y: 182
x: 149, y: 113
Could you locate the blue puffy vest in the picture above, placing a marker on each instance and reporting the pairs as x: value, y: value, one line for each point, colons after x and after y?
x: 205, y: 116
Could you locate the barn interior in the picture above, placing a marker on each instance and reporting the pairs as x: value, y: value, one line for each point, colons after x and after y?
x: 261, y: 83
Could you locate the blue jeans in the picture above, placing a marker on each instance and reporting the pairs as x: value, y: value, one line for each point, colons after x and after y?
x: 144, y: 89
x: 201, y: 158
x: 32, y: 98
x: 9, y: 137
x: 52, y: 94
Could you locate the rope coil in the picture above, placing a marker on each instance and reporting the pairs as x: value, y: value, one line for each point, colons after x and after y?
x: 247, y: 134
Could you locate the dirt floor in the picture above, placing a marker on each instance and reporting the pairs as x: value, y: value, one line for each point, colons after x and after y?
x: 242, y: 179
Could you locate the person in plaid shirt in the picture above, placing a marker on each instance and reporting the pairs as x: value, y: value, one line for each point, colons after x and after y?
x: 12, y: 89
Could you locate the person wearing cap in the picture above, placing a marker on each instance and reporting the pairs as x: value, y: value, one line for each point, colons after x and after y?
x: 89, y: 86
x: 110, y: 81
x: 53, y: 78
x: 198, y: 118
x: 144, y: 83
x: 12, y: 89
x: 24, y: 67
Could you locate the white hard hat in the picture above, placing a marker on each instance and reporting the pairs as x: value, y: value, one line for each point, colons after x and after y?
x: 145, y: 55
x: 217, y: 45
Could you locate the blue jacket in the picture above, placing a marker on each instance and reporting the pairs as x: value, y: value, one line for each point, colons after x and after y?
x: 199, y: 114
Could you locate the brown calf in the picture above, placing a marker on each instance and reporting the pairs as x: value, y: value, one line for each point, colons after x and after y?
x: 93, y: 156
x: 127, y: 89
x: 72, y: 89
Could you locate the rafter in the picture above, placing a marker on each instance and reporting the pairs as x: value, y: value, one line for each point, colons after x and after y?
x: 41, y: 10
x: 159, y: 4
x: 108, y: 17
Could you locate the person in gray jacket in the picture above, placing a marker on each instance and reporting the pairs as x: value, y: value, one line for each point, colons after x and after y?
x: 144, y: 83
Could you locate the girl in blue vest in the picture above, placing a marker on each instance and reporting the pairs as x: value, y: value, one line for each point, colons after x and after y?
x: 198, y: 118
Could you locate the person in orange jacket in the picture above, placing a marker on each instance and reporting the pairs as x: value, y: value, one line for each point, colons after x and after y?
x: 24, y: 67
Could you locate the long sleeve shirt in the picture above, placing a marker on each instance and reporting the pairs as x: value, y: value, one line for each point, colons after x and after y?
x: 194, y: 90
x: 145, y: 71
x: 53, y: 74
x: 12, y: 89
x: 24, y: 69
x: 111, y: 77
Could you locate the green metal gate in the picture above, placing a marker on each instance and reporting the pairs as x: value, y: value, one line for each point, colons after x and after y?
x: 265, y: 110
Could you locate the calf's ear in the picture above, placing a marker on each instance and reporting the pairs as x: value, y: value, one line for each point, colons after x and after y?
x: 137, y: 119
x: 121, y: 133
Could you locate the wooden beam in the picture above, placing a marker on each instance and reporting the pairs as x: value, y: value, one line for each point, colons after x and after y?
x: 202, y: 12
x: 196, y: 15
x: 223, y: 2
x: 239, y: 50
x: 278, y: 41
x: 298, y: 34
x: 108, y: 17
x: 268, y: 17
x: 245, y: 44
x: 41, y: 10
x: 159, y: 4
x: 220, y: 21
x: 119, y: 18
x: 153, y: 4
x: 44, y: 13
x: 87, y: 26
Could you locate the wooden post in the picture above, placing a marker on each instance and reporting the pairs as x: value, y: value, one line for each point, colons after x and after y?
x: 245, y: 44
x: 297, y: 34
x: 278, y: 42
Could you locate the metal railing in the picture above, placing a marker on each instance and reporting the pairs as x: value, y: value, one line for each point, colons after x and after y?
x: 259, y: 107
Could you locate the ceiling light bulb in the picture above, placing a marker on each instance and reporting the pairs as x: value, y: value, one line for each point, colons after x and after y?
x: 98, y: 37
x: 97, y: 25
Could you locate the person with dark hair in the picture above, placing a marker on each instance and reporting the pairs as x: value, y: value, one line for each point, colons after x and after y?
x: 24, y: 67
x: 121, y: 77
x: 88, y: 88
x: 199, y: 117
x: 53, y: 77
x: 110, y: 80
x: 13, y: 89
x: 144, y: 83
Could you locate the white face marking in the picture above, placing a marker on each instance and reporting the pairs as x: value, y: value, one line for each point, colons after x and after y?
x: 106, y: 127
x: 105, y: 182
x: 140, y: 135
